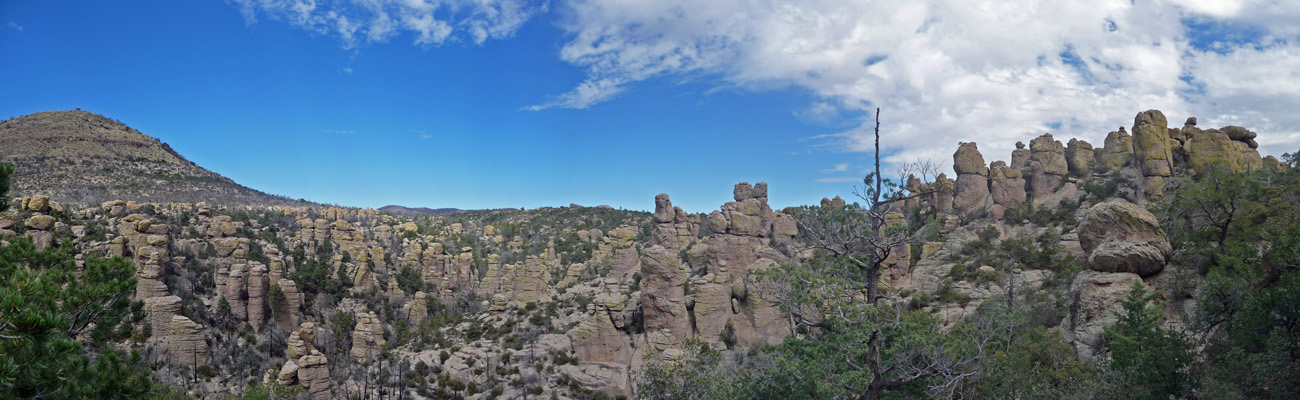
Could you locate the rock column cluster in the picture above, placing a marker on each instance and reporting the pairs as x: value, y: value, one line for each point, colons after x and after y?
x: 306, y: 366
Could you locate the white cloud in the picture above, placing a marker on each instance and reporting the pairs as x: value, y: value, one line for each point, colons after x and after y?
x: 430, y: 22
x: 994, y: 72
x: 425, y: 136
x: 339, y: 131
x: 841, y: 167
x: 943, y: 71
x: 839, y: 179
x: 14, y: 25
x: 347, y: 70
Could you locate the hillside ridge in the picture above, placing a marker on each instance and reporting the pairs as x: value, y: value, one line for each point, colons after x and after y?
x: 79, y: 157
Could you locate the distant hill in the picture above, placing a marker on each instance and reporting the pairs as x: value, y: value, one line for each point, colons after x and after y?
x: 86, y: 158
x: 410, y: 212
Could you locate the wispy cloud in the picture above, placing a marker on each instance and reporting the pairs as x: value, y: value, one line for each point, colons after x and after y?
x: 339, y: 131
x: 841, y: 167
x: 426, y: 136
x: 430, y: 22
x: 347, y: 70
x: 839, y: 179
x: 14, y: 25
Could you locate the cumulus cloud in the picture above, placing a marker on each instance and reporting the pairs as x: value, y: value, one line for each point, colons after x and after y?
x: 972, y: 70
x: 943, y: 71
x: 430, y: 22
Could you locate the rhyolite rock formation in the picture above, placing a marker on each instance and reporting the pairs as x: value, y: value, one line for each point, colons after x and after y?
x: 1119, y: 236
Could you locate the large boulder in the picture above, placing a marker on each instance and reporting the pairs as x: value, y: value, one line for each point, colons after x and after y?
x: 1119, y: 236
x: 1216, y: 148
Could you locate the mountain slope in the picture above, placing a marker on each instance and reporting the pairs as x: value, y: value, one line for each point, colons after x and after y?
x: 82, y: 157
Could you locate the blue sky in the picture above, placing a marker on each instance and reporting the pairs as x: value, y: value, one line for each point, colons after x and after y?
x: 507, y: 103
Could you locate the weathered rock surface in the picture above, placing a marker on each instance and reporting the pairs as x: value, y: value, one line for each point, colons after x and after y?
x: 367, y: 337
x: 1153, y: 149
x: 1007, y: 183
x: 1079, y: 157
x: 185, y: 343
x: 1119, y: 236
x: 663, y: 299
x: 1093, y: 300
x: 1118, y: 150
x: 972, y: 186
x: 160, y: 311
x: 1047, y: 166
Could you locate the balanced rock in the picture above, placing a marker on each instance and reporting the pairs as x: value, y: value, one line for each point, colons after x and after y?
x: 1119, y: 236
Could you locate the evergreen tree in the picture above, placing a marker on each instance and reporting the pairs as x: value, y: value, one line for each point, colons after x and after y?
x: 55, y: 320
x: 1152, y: 361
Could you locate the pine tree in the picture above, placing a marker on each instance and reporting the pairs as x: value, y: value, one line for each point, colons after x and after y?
x: 1153, y: 361
x: 53, y: 317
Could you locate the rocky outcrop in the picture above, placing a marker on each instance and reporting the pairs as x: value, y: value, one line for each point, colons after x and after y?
x: 367, y: 337
x: 663, y: 299
x: 1093, y: 300
x: 185, y: 343
x: 1007, y: 183
x: 236, y: 291
x: 1211, y: 148
x: 306, y: 366
x: 418, y: 309
x: 149, y: 275
x: 1117, y: 152
x: 1153, y: 150
x: 314, y: 375
x: 160, y: 311
x: 257, y: 290
x: 1047, y: 166
x: 288, y: 317
x: 674, y: 228
x: 1079, y: 157
x: 972, y: 187
x: 1118, y: 236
